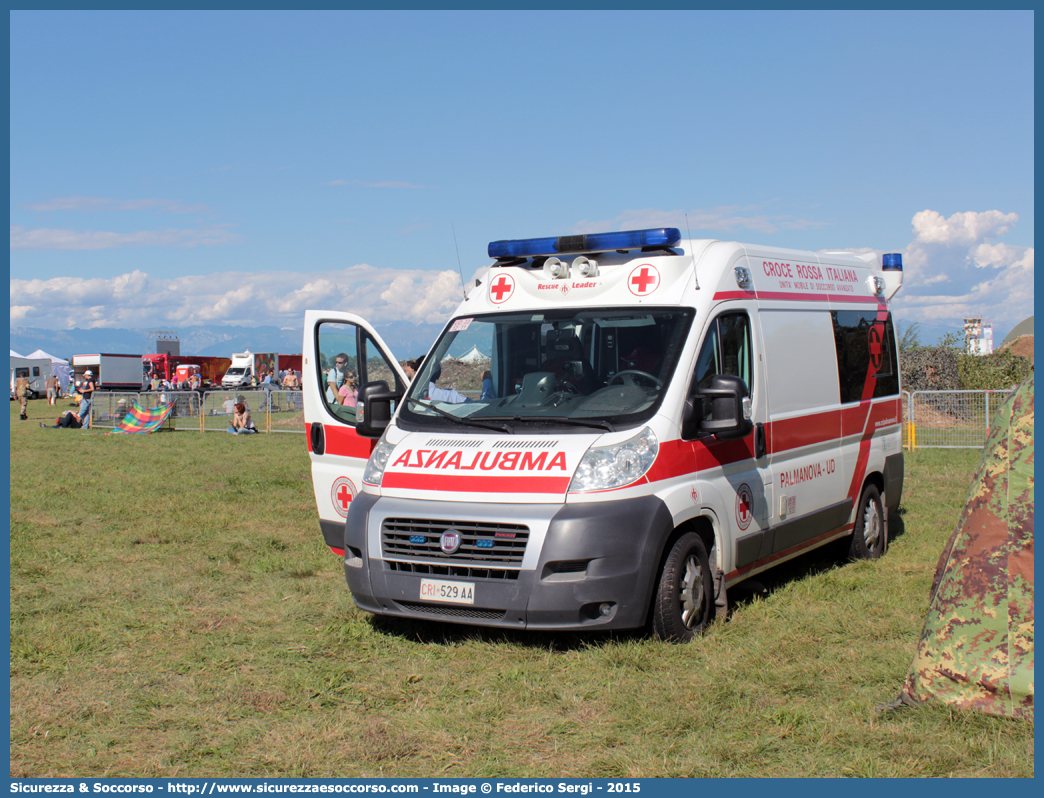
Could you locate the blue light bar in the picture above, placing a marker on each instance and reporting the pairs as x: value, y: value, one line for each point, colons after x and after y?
x: 597, y: 242
x: 893, y: 261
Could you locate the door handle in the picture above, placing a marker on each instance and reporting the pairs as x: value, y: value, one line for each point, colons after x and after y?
x: 318, y: 439
x: 759, y: 440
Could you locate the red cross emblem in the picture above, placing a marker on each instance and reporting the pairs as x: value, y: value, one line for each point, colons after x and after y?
x: 341, y: 494
x: 876, y: 350
x: 643, y: 280
x: 501, y: 289
x: 744, y: 503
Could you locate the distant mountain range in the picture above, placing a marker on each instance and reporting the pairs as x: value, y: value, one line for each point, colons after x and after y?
x: 405, y: 339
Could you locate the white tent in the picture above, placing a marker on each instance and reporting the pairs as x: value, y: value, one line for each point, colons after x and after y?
x: 60, y: 368
x: 36, y: 369
x: 473, y: 356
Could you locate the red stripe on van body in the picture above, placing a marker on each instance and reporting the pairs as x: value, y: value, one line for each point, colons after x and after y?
x: 404, y: 480
x: 345, y: 442
x: 793, y: 433
x: 677, y: 458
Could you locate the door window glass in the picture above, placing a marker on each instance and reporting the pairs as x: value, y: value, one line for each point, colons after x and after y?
x: 342, y: 371
x: 726, y: 350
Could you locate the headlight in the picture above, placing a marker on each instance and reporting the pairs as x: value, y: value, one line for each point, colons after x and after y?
x: 378, y: 461
x: 605, y: 467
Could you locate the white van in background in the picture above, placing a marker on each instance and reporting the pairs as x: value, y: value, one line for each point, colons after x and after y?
x: 659, y: 419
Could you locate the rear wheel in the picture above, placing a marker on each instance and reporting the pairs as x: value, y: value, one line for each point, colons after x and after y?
x: 684, y: 600
x: 870, y: 534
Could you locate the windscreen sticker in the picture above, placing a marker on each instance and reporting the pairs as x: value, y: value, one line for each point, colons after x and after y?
x: 460, y: 324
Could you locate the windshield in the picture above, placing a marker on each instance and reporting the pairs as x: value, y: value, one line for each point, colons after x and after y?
x: 574, y: 369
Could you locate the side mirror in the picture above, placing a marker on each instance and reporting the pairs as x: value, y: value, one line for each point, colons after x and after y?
x: 374, y: 408
x: 729, y: 406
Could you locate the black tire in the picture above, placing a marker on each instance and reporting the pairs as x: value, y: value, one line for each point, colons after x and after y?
x: 870, y: 535
x: 683, y: 605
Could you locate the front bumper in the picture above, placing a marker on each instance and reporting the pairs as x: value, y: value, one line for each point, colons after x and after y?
x: 586, y: 566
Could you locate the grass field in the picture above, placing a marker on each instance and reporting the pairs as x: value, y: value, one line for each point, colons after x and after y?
x: 174, y: 613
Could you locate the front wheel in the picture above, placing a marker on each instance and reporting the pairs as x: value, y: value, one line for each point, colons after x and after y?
x: 870, y: 534
x: 684, y: 600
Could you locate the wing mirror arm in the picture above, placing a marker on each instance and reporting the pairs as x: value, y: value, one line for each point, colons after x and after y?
x: 729, y: 405
x: 374, y: 408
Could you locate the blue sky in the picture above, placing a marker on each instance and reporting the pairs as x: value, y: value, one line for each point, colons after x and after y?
x: 182, y: 168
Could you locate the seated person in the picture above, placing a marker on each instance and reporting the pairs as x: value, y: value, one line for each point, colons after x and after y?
x: 242, y: 424
x: 67, y: 420
x: 488, y: 392
x: 642, y: 359
x: 443, y: 394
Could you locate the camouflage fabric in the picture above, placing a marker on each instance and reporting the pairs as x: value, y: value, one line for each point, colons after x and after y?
x: 976, y: 650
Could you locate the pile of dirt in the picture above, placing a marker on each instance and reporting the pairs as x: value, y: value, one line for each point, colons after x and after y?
x: 1021, y: 347
x: 461, y: 376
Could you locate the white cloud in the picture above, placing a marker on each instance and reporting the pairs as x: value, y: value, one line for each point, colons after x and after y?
x: 930, y: 227
x: 955, y: 268
x: 49, y: 238
x: 140, y: 300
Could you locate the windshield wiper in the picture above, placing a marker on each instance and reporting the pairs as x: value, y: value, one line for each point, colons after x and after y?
x: 573, y: 422
x: 461, y: 420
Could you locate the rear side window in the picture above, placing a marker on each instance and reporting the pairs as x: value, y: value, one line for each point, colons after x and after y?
x: 866, y: 355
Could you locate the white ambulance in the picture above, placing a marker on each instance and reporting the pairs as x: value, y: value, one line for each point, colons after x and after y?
x: 659, y: 419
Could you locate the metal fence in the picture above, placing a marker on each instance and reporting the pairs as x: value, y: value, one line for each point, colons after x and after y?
x: 949, y: 419
x: 206, y: 411
x: 932, y: 419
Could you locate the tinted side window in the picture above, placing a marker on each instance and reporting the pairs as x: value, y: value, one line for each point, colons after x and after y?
x: 866, y: 355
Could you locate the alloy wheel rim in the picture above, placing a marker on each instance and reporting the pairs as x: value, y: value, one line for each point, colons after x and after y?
x: 692, y: 598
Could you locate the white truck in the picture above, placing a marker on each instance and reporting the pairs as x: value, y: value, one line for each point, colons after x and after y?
x: 660, y: 419
x: 112, y: 372
x: 247, y: 365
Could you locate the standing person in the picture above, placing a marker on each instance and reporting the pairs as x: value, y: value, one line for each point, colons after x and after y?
x: 242, y: 424
x: 410, y: 367
x: 348, y: 394
x: 335, y: 376
x: 22, y: 395
x: 52, y: 389
x: 87, y: 388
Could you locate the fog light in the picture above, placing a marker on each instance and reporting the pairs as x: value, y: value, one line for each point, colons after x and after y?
x: 605, y: 609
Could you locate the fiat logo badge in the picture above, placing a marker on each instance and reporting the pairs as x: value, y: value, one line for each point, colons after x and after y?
x: 450, y: 541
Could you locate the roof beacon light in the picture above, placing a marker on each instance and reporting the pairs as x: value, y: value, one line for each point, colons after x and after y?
x: 661, y: 237
x: 892, y: 261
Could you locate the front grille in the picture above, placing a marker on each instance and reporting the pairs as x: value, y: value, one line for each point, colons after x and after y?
x: 455, y: 571
x: 483, y: 545
x: 453, y: 611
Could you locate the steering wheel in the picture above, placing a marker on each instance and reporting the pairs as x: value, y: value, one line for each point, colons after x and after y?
x: 627, y: 377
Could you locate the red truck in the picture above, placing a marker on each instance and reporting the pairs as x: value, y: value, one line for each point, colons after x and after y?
x: 290, y: 362
x: 212, y: 369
